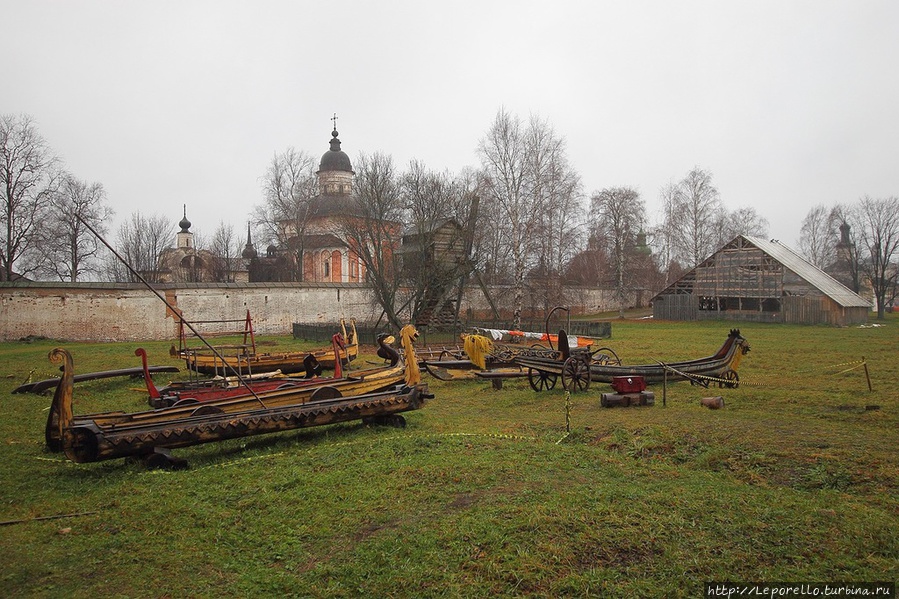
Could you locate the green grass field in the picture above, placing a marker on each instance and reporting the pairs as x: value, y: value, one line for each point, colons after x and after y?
x: 485, y: 492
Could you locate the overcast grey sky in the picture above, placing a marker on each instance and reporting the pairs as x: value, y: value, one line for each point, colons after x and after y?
x: 788, y: 104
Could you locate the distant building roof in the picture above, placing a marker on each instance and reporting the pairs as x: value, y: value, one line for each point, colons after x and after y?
x: 320, y: 240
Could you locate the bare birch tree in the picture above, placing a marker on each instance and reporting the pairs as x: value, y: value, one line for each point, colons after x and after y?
x: 29, y: 178
x: 524, y: 171
x: 559, y: 227
x: 662, y: 236
x: 692, y: 217
x: 818, y: 236
x: 617, y: 217
x: 742, y: 221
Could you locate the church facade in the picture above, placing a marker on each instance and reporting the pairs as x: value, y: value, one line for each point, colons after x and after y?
x: 327, y: 252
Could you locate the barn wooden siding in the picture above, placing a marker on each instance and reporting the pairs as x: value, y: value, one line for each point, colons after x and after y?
x: 794, y: 310
x: 741, y: 282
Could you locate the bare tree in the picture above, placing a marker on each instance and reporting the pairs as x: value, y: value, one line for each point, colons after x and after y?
x: 818, y: 236
x: 560, y: 222
x: 504, y: 160
x: 289, y: 186
x: 524, y: 169
x: 692, y: 218
x: 436, y: 242
x: 493, y: 261
x: 71, y: 249
x: 225, y: 250
x: 29, y: 177
x: 141, y: 241
x: 617, y: 217
x: 742, y: 221
x: 591, y: 266
x: 662, y: 236
x: 878, y: 234
x: 372, y: 229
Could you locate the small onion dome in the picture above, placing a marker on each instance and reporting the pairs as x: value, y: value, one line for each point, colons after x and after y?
x: 184, y: 223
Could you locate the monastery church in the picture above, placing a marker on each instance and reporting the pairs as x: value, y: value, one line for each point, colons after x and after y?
x: 327, y: 257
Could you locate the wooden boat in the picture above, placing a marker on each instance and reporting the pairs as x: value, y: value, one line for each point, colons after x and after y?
x: 577, y: 368
x: 434, y: 353
x: 96, y: 437
x: 194, y: 391
x: 245, y: 360
x: 404, y: 370
x: 485, y: 359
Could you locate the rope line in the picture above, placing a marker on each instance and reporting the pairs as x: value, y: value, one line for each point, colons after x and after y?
x: 855, y: 365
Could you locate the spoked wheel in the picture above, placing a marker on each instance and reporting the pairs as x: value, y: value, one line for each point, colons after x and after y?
x: 575, y: 375
x: 541, y: 380
x: 606, y: 356
x: 207, y: 410
x: 731, y: 380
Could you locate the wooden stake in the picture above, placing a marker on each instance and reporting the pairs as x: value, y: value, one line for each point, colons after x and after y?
x: 665, y: 388
x: 867, y: 376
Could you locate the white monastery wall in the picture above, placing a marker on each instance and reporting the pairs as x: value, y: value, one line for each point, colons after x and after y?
x: 130, y: 312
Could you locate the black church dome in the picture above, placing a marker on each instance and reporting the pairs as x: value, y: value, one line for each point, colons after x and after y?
x: 335, y: 159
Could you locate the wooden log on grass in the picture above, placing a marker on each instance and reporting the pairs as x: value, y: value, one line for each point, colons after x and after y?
x: 712, y: 403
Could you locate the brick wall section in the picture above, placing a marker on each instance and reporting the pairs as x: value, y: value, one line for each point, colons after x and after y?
x: 131, y: 312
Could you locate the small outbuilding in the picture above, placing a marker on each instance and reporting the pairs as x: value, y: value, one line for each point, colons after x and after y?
x: 763, y: 281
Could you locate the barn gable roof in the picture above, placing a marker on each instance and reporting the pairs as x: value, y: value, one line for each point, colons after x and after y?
x: 822, y: 281
x: 804, y: 269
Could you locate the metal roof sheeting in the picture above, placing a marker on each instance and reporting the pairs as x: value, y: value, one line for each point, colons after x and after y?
x: 815, y: 276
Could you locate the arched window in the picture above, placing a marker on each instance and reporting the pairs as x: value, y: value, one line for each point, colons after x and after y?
x: 326, y: 265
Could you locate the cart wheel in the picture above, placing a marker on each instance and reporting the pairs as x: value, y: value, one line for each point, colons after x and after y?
x: 575, y: 375
x: 541, y: 380
x: 731, y: 380
x: 606, y: 356
x: 207, y: 410
x: 394, y: 420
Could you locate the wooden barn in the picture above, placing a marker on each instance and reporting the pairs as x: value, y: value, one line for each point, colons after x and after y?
x: 763, y: 281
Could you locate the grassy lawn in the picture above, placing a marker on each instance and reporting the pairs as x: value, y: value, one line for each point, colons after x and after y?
x: 484, y: 493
